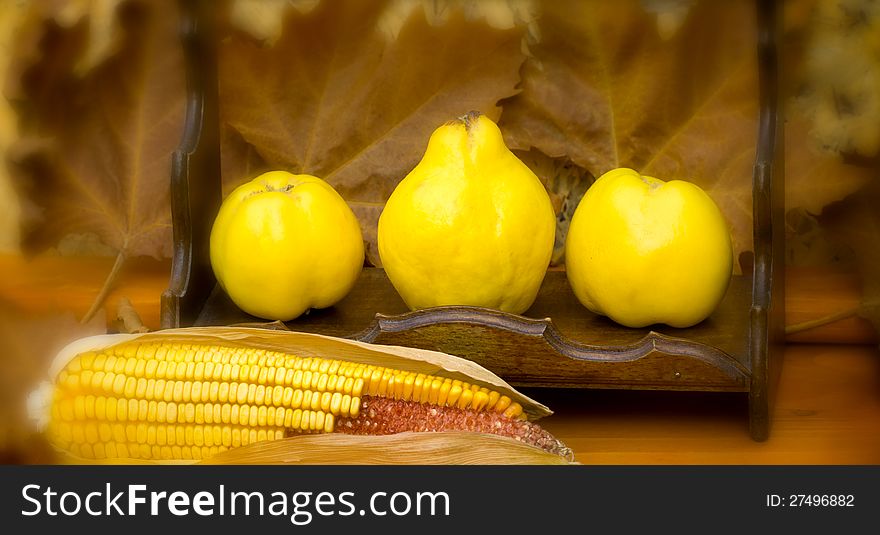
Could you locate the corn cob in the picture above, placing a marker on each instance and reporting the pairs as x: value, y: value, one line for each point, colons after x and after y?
x: 166, y: 400
x: 384, y: 416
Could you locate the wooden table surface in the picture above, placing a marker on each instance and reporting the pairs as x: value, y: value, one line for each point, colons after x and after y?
x: 827, y: 410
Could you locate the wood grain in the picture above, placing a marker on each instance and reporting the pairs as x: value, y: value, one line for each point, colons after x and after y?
x: 827, y: 409
x: 827, y: 412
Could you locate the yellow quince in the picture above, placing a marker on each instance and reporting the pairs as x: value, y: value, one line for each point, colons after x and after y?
x: 469, y: 225
x: 283, y: 243
x: 641, y: 251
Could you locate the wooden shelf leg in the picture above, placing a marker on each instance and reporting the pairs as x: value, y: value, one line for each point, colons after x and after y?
x: 767, y: 314
x: 195, y: 171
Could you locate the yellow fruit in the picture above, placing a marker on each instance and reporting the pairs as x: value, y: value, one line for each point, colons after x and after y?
x: 470, y: 225
x: 643, y: 251
x: 284, y: 243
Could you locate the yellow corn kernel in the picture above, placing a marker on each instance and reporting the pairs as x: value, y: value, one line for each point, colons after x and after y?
x: 493, y: 399
x: 513, y: 411
x: 355, y: 407
x: 454, y: 393
x: 321, y: 384
x: 345, y: 406
x: 326, y: 397
x: 502, y: 404
x: 481, y: 399
x: 465, y: 399
x: 329, y: 423
x: 177, y: 392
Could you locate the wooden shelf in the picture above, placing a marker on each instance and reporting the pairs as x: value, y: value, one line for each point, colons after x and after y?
x: 557, y: 342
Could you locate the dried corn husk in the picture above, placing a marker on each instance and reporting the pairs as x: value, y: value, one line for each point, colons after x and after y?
x: 450, y: 447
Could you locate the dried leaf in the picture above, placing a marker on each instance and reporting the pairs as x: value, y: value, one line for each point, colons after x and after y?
x: 671, y: 14
x: 67, y: 37
x: 104, y: 33
x: 605, y: 89
x: 107, y: 170
x: 11, y: 16
x: 41, y: 76
x: 815, y: 177
x: 456, y: 448
x: 238, y: 159
x: 262, y: 19
x: 335, y: 99
x: 367, y: 214
x: 499, y: 14
x: 127, y: 318
x: 840, y: 90
x: 566, y: 183
x: 85, y: 244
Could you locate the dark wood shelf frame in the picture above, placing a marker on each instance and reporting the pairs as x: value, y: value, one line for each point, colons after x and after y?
x: 557, y: 342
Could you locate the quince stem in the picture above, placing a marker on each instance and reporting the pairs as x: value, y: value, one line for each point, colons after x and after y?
x: 469, y: 119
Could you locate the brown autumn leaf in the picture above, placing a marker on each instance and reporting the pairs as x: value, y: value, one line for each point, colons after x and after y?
x: 30, y: 36
x: 106, y: 170
x: 606, y: 89
x: 566, y: 183
x: 499, y: 14
x: 840, y: 78
x: 670, y: 14
x: 238, y: 158
x: 336, y: 98
x: 11, y: 16
x: 812, y: 239
x: 41, y: 74
x: 100, y: 16
x: 815, y: 177
x: 262, y: 19
x: 52, y: 44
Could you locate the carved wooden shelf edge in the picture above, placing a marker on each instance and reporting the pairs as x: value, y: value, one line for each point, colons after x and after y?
x: 554, y: 349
